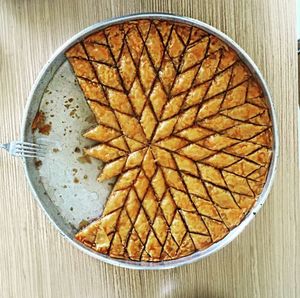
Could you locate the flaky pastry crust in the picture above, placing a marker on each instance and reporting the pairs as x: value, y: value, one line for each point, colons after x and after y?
x: 183, y: 125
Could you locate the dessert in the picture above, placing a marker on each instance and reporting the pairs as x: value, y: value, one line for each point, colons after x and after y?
x: 184, y: 127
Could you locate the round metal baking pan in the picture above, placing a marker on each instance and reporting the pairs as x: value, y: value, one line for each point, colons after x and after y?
x: 64, y: 187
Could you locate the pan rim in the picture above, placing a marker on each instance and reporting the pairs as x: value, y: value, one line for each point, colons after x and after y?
x: 272, y: 168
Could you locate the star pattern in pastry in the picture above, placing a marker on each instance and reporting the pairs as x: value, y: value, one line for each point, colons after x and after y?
x: 183, y: 125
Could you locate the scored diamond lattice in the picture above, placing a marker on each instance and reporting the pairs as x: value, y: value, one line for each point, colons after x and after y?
x: 184, y: 126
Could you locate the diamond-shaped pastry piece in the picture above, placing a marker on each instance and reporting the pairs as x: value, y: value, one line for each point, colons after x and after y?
x: 195, y: 186
x: 163, y: 157
x: 235, y: 96
x: 134, y: 246
x: 92, y: 90
x: 175, y: 48
x: 131, y: 127
x: 242, y: 148
x: 153, y: 247
x: 148, y: 122
x: 219, y: 83
x: 127, y: 68
x: 182, y: 200
x: 240, y: 73
x: 242, y: 168
x: 172, y: 143
x: 135, y: 43
x: 155, y: 46
x: 160, y: 228
x: 150, y: 204
x: 135, y: 159
x: 186, y: 119
x: 165, y: 129
x: 201, y: 241
x: 194, y: 54
x: 76, y: 51
x: 217, y: 229
x: 243, y: 112
x: 108, y: 76
x: 194, y: 222
x: 195, y: 152
x: 168, y: 207
x: 185, y: 164
x: 178, y: 228
x: 132, y: 207
x: 116, y: 249
x: 137, y: 96
x: 173, y: 179
x: 261, y: 156
x: 142, y: 226
x: 218, y: 123
x: 98, y: 52
x: 211, y: 174
x: 187, y: 246
x: 112, y: 169
x: 194, y: 133
x: 119, y: 143
x: 158, y: 98
x: 158, y: 184
x: 208, y: 68
x: 126, y: 179
x: 220, y: 196
x: 116, y: 200
x: 217, y: 142
x: 221, y: 160
x: 148, y: 164
x: 170, y: 248
x: 205, y: 207
x: 141, y: 185
x: 115, y: 38
x: 244, y: 131
x: 104, y: 115
x: 134, y: 145
x: 119, y: 101
x: 101, y: 133
x: 210, y: 107
x: 104, y: 152
x: 147, y: 72
x: 231, y: 217
x: 183, y: 81
x: 173, y: 106
x: 229, y: 57
x: 167, y: 73
x: 83, y: 68
x: 183, y: 125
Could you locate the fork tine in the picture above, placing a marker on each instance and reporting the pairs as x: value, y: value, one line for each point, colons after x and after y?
x: 34, y: 154
x: 30, y: 155
x: 29, y: 145
x: 31, y: 149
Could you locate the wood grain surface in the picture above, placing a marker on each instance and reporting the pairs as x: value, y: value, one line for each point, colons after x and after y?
x: 35, y: 261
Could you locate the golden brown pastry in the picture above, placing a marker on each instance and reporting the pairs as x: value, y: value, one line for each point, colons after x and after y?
x: 184, y: 127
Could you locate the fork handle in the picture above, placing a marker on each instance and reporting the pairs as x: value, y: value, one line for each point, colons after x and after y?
x: 4, y: 146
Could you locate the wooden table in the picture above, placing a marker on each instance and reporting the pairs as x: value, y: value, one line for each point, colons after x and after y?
x: 35, y: 261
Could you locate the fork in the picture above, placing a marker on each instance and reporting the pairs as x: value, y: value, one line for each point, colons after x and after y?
x: 24, y: 149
